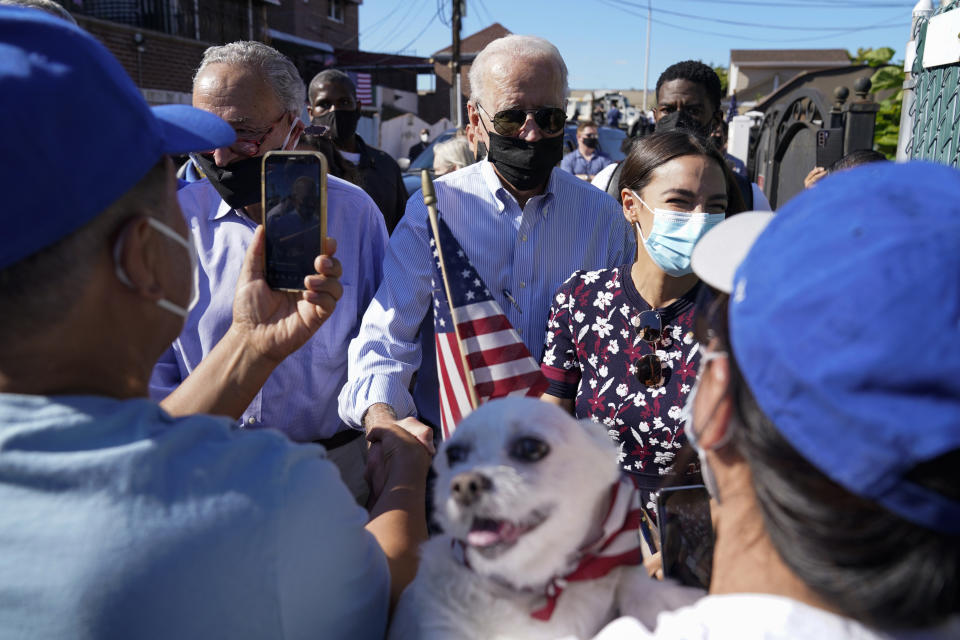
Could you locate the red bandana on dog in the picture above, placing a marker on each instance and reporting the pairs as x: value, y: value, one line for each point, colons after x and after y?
x: 618, y: 546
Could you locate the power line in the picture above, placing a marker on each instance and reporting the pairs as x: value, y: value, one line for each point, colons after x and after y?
x: 736, y: 23
x: 413, y: 8
x: 834, y: 4
x: 737, y: 36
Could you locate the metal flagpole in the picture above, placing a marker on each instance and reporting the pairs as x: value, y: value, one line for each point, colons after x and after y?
x: 430, y: 200
x: 646, y: 69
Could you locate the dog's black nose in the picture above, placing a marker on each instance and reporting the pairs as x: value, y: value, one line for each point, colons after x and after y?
x: 467, y: 487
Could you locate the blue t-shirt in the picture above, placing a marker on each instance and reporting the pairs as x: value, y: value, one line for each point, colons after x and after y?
x: 122, y: 522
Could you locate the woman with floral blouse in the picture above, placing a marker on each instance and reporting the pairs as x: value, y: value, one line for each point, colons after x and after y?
x: 620, y: 346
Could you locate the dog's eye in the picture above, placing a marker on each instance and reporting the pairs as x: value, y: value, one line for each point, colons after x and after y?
x: 529, y: 449
x: 456, y: 453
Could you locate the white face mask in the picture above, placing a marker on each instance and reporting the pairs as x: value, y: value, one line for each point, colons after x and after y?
x: 690, y: 430
x: 424, y: 138
x: 163, y: 303
x: 283, y: 145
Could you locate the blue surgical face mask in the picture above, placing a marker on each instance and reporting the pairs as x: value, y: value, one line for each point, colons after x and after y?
x: 674, y: 234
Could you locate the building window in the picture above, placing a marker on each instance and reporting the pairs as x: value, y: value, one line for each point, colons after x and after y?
x: 426, y: 82
x: 335, y: 10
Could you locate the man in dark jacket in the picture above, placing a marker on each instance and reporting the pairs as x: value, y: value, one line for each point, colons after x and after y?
x: 333, y: 103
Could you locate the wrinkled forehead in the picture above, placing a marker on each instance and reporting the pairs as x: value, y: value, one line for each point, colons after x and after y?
x: 237, y: 93
x: 526, y: 83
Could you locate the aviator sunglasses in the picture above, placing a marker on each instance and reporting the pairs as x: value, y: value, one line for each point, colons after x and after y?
x: 649, y: 327
x: 509, y: 121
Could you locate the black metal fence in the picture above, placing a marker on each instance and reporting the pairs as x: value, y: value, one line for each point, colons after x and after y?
x: 212, y: 21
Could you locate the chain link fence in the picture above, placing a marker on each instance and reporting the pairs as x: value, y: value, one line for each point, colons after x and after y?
x: 935, y: 110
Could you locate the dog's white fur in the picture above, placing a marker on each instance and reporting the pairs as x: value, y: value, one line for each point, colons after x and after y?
x: 495, y: 596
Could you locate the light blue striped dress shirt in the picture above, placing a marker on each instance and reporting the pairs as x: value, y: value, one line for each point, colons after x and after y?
x: 523, y: 254
x: 300, y: 396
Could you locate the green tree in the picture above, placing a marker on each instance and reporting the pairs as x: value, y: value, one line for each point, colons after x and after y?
x: 724, y: 79
x: 888, y: 76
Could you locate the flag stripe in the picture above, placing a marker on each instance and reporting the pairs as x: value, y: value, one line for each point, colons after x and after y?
x: 501, y: 388
x: 454, y: 378
x: 494, y: 372
x: 491, y: 324
x: 484, y: 358
x: 491, y: 341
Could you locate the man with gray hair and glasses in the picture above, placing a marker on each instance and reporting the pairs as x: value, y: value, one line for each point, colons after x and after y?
x: 208, y: 369
x: 525, y: 224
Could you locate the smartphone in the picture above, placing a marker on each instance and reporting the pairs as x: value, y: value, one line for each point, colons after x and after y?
x: 829, y: 147
x: 294, y: 199
x: 686, y: 534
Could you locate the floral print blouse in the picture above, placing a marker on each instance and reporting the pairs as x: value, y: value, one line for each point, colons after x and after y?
x: 591, y: 353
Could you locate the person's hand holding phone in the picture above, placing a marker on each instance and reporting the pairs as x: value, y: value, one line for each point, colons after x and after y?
x: 277, y: 323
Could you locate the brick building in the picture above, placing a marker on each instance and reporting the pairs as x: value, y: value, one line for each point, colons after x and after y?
x: 160, y: 42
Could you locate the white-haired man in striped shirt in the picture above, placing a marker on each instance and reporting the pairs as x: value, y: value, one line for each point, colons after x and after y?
x: 525, y: 224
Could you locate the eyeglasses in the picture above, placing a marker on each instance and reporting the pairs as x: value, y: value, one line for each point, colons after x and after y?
x: 509, y: 121
x: 649, y: 327
x: 251, y: 146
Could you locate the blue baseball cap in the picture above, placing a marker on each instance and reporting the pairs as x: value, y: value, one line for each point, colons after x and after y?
x: 845, y: 320
x: 77, y: 132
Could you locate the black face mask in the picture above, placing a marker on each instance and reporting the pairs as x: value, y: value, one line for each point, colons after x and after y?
x: 525, y: 165
x: 342, y: 124
x: 481, y: 151
x: 591, y: 143
x: 238, y: 183
x: 682, y: 120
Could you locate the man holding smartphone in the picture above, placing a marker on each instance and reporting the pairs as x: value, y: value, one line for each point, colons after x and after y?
x: 119, y: 520
x: 259, y: 91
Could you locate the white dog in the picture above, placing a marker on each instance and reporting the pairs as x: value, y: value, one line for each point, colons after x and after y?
x: 540, y: 534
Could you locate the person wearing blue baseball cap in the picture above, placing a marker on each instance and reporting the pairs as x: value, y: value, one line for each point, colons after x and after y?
x: 119, y: 520
x: 827, y: 415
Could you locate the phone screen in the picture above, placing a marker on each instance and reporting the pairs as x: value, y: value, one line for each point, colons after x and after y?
x: 686, y: 534
x: 294, y: 214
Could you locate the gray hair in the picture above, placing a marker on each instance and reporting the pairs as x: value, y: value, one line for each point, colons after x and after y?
x: 331, y: 76
x: 453, y: 153
x: 51, y: 7
x: 490, y: 66
x: 276, y: 68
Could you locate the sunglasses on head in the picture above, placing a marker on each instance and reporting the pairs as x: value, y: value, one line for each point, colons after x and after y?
x: 649, y: 327
x: 509, y: 121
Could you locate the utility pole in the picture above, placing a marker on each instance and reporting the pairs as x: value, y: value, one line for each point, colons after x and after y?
x: 455, y: 111
x: 646, y: 69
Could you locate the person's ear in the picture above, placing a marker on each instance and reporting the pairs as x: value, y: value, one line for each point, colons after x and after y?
x: 631, y: 206
x: 137, y: 257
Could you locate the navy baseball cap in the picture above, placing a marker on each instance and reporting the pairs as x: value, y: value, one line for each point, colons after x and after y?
x: 77, y: 132
x: 845, y: 320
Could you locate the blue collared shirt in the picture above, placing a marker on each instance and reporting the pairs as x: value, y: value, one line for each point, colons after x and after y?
x: 300, y: 396
x: 122, y: 522
x: 527, y: 253
x: 575, y: 163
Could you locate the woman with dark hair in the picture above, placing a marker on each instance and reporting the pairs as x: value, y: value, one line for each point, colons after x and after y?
x: 832, y: 454
x: 619, y: 344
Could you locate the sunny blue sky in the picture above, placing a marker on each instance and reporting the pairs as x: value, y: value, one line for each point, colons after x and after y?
x: 603, y: 41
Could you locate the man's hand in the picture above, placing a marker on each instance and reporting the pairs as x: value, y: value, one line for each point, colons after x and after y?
x: 380, y: 415
x: 815, y: 175
x: 277, y: 323
x: 395, y: 458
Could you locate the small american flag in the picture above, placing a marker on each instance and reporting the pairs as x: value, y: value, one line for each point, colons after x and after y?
x: 498, y: 362
x: 364, y: 88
